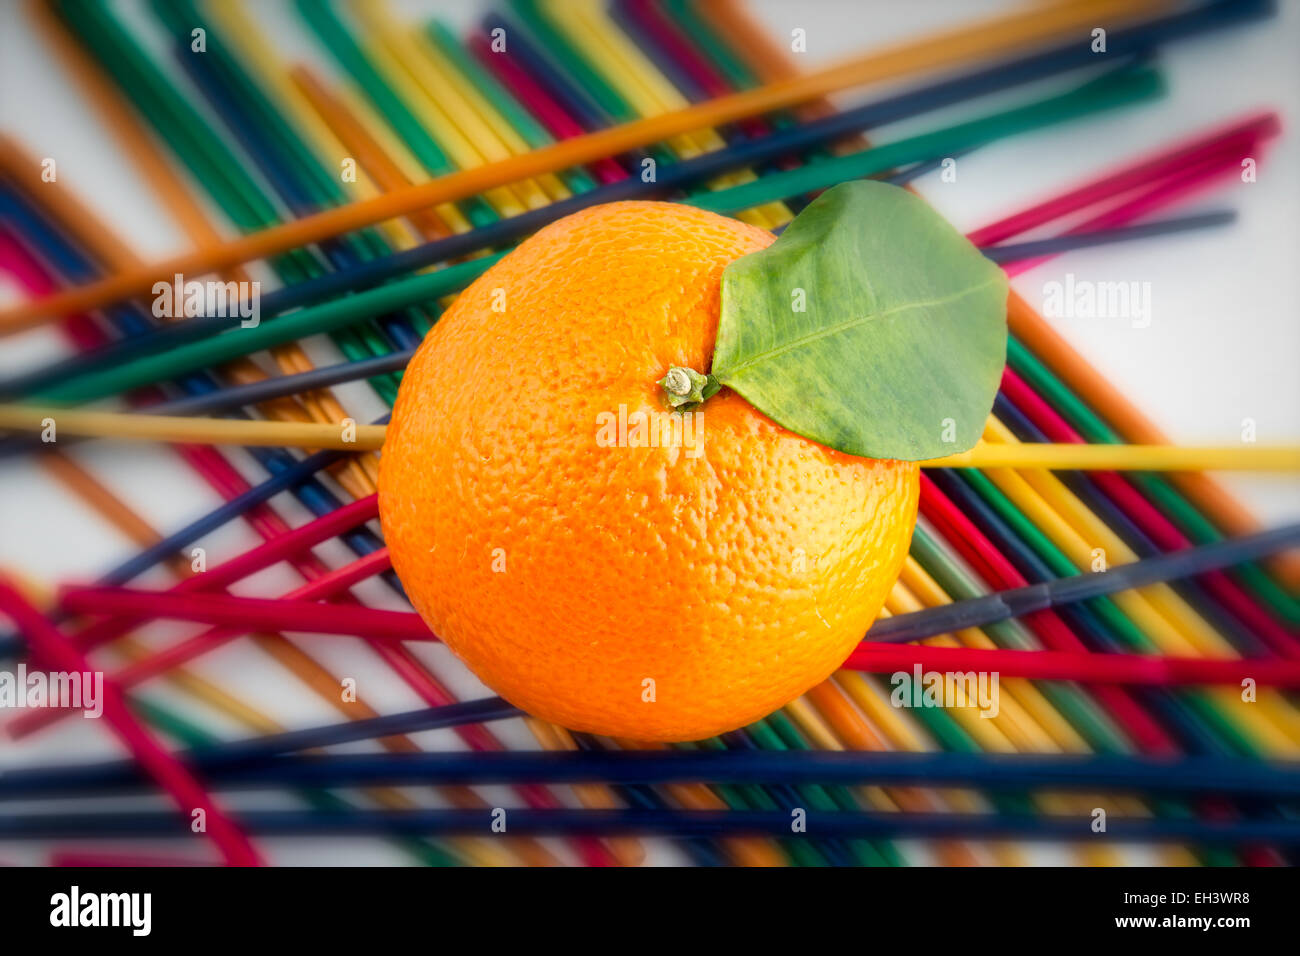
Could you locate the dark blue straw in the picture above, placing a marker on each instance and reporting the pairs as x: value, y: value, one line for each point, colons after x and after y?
x: 1016, y: 602
x: 1016, y: 252
x: 667, y: 823
x: 782, y: 770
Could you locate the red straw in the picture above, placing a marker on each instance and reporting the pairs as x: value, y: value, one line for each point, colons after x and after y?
x: 257, y: 614
x: 25, y: 268
x: 51, y: 648
x: 152, y: 604
x: 1164, y: 192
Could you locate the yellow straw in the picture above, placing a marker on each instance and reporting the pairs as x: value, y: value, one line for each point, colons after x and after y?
x: 55, y: 423
x: 1126, y: 457
x: 348, y: 436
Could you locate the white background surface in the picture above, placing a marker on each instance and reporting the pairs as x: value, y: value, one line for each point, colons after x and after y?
x: 1222, y: 347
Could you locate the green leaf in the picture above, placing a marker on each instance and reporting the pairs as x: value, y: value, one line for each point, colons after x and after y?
x: 900, y: 345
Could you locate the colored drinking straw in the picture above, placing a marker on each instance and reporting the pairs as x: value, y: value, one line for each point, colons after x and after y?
x: 185, y: 732
x: 258, y: 751
x: 50, y: 649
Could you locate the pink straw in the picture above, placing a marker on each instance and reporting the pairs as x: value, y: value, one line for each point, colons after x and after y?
x: 1167, y: 191
x: 1130, y: 176
x: 1083, y: 666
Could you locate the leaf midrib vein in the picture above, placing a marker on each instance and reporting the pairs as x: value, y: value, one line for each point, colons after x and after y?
x: 844, y: 326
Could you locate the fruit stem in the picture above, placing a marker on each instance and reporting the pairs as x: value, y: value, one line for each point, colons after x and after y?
x: 685, y: 388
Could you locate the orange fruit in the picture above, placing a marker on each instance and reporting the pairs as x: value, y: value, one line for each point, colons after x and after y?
x: 664, y: 582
